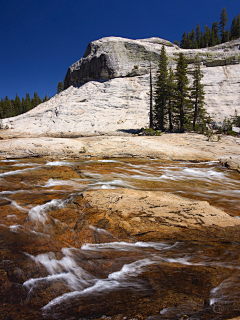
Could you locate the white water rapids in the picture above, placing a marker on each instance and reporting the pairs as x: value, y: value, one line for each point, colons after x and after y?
x: 86, y: 271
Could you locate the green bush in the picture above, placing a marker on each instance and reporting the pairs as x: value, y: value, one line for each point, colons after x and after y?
x: 151, y: 132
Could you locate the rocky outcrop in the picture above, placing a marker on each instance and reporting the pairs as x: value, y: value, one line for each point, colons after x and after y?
x: 108, y: 89
x: 114, y: 57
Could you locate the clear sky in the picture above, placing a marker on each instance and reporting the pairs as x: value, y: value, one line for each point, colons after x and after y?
x: 40, y: 39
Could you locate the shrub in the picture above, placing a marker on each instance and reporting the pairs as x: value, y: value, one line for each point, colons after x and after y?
x: 151, y: 132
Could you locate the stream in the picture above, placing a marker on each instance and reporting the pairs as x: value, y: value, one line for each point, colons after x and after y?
x: 45, y: 275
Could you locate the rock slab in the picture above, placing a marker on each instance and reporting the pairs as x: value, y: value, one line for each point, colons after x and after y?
x: 108, y: 90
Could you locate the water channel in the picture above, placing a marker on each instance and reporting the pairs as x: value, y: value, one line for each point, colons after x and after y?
x: 45, y: 275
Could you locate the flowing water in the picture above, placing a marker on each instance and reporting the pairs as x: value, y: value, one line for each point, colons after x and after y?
x: 46, y: 275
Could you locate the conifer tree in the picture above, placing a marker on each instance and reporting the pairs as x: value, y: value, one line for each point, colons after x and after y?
x: 214, y: 34
x: 45, y: 98
x: 17, y: 105
x: 23, y: 105
x: 237, y: 29
x: 201, y: 40
x: 35, y: 100
x: 188, y: 44
x: 227, y: 35
x: 60, y: 87
x: 195, y: 44
x: 223, y: 23
x: 233, y: 28
x: 207, y: 36
x: 198, y: 33
x: 192, y: 37
x: 183, y: 41
x: 161, y: 92
x: 182, y: 91
x: 171, y: 98
x: 7, y: 107
x: 197, y: 93
x: 28, y: 104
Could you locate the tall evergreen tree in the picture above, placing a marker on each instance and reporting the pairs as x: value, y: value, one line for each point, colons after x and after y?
x: 36, y: 100
x: 60, y: 87
x: 183, y: 41
x: 192, y: 37
x: 23, y: 106
x: 161, y: 92
x: 195, y: 44
x: 45, y: 98
x: 17, y: 105
x: 201, y: 40
x: 197, y: 93
x: 171, y: 98
x: 28, y: 103
x: 233, y: 28
x: 198, y: 33
x: 227, y: 35
x: 237, y: 32
x: 182, y: 91
x: 7, y: 107
x: 207, y: 36
x: 188, y: 44
x: 214, y: 34
x: 223, y: 23
x: 1, y: 108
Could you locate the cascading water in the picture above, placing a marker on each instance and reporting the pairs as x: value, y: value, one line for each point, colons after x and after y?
x: 47, y: 272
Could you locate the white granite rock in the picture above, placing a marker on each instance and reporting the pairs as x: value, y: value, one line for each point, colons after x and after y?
x: 122, y: 103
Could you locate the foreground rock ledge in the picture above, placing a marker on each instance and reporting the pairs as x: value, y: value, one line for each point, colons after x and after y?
x: 168, y: 147
x: 150, y: 215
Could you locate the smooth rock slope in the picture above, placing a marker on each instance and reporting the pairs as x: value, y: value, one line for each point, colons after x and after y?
x: 108, y: 89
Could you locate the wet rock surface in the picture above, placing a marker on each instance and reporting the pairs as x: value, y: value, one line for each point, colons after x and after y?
x: 72, y: 247
x: 168, y: 147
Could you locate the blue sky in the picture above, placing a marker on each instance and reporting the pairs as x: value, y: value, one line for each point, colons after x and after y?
x: 40, y: 39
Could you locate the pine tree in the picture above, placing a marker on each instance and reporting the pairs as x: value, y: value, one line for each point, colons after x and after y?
x: 214, y: 34
x: 188, y: 41
x: 227, y: 35
x: 237, y: 34
x: 195, y: 44
x: 223, y: 23
x: 207, y: 36
x: 23, y: 106
x: 182, y: 90
x: 171, y: 98
x: 7, y: 107
x: 212, y: 40
x: 233, y: 28
x: 201, y: 40
x: 197, y: 94
x: 45, y: 98
x: 28, y: 103
x: 183, y: 41
x: 161, y: 92
x: 60, y: 87
x: 35, y: 100
x: 198, y: 33
x: 192, y: 37
x: 17, y: 105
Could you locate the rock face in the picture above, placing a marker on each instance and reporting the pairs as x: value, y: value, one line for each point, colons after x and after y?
x: 114, y: 57
x: 108, y: 89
